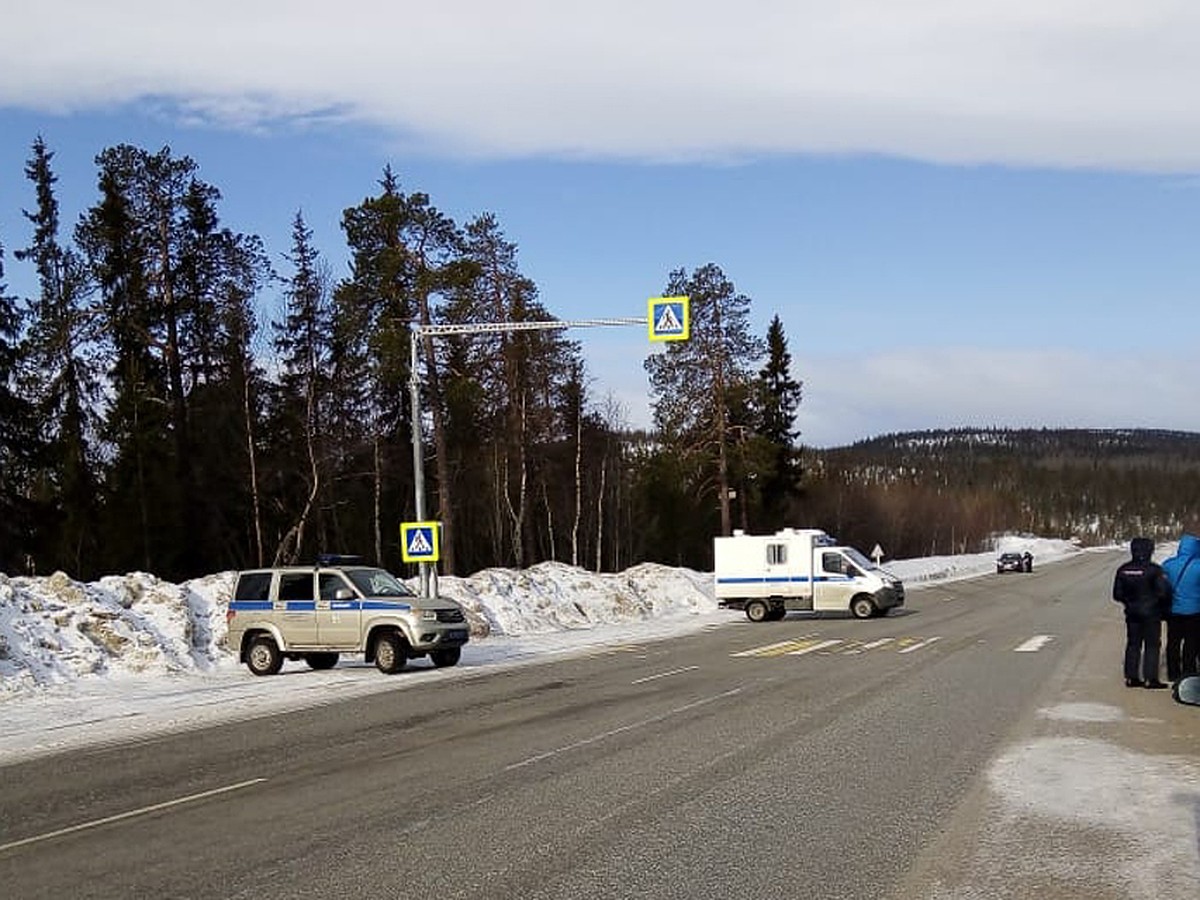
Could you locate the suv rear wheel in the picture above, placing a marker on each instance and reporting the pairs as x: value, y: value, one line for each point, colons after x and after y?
x: 263, y: 656
x: 391, y: 652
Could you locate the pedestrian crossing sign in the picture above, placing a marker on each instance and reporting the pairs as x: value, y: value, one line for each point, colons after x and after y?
x: 669, y: 318
x: 419, y: 541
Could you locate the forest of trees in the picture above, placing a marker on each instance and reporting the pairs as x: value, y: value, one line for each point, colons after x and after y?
x: 941, y: 492
x: 177, y: 398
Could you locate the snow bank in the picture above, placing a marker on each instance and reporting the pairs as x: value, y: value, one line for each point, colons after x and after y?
x: 56, y: 631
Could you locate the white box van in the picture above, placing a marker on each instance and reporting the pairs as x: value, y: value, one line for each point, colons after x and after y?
x: 799, y: 569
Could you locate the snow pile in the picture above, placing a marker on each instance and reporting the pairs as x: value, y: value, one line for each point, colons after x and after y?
x: 552, y: 597
x: 56, y: 631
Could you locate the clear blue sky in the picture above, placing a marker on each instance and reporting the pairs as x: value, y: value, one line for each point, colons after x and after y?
x: 962, y: 219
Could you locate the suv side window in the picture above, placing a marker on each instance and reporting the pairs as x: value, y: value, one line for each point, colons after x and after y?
x: 296, y: 586
x: 253, y: 586
x: 330, y: 584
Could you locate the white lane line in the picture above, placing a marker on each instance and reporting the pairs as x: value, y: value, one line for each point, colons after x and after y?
x: 664, y: 674
x: 819, y: 645
x: 191, y: 798
x: 624, y: 728
x: 924, y: 643
x: 1034, y: 644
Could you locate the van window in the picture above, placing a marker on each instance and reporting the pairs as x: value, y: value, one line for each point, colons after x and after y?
x: 296, y: 586
x: 776, y: 554
x: 833, y: 562
x: 253, y: 586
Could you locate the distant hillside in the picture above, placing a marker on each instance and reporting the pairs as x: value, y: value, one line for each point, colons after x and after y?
x: 951, y: 490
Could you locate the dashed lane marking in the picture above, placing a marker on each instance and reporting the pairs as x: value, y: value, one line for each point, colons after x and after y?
x: 1034, y: 644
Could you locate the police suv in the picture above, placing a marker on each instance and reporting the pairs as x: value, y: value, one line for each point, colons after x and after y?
x: 317, y: 612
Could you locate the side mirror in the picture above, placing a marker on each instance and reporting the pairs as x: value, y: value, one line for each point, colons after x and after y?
x: 1187, y: 690
x: 343, y: 593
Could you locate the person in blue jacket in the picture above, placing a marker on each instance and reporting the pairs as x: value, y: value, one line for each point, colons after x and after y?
x: 1141, y: 587
x: 1183, y: 625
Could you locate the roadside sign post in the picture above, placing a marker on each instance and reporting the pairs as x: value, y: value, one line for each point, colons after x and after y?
x: 668, y: 319
x: 877, y: 554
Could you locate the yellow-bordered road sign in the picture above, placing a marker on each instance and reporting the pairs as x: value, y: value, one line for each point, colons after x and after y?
x: 669, y: 318
x: 419, y: 541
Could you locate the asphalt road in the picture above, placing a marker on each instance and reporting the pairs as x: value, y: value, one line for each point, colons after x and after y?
x: 813, y: 757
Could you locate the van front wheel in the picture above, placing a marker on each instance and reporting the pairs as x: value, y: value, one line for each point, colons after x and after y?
x: 862, y: 607
x: 757, y: 611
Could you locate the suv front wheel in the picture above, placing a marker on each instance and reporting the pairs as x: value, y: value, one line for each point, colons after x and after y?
x: 391, y: 652
x: 263, y: 656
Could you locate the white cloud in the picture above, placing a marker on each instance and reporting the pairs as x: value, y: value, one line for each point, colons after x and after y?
x: 847, y: 399
x: 1062, y: 83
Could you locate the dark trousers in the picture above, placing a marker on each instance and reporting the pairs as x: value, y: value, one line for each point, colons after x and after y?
x: 1141, y: 648
x: 1183, y: 646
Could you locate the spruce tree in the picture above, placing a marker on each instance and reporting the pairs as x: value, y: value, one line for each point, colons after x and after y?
x: 18, y: 443
x: 303, y: 344
x: 779, y: 401
x: 61, y: 369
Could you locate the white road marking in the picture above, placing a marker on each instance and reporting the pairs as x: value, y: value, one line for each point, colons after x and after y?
x: 918, y: 646
x: 1034, y: 644
x: 879, y: 643
x: 624, y: 728
x: 191, y: 798
x: 820, y: 645
x: 664, y: 674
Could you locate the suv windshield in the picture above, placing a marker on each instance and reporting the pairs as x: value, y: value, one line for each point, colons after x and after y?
x: 377, y: 583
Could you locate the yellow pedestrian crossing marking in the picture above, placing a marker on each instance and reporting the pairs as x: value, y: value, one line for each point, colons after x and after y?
x: 814, y: 643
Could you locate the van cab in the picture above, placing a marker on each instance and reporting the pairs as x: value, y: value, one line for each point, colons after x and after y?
x: 316, y: 613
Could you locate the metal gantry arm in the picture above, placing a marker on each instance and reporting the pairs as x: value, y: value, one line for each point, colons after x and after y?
x: 414, y: 385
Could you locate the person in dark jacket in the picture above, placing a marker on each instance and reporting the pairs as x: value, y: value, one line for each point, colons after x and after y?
x: 1142, y: 588
x: 1183, y: 624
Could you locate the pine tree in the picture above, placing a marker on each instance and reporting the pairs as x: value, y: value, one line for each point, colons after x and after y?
x: 693, y: 381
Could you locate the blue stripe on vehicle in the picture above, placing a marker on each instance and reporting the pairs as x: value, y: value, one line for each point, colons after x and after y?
x: 798, y: 579
x: 302, y: 606
x: 340, y: 605
x: 250, y: 604
x: 384, y: 604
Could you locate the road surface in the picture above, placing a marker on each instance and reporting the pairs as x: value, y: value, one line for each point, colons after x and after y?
x: 978, y: 744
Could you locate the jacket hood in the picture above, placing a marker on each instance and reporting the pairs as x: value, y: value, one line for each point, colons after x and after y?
x: 1142, y: 548
x: 1189, y: 546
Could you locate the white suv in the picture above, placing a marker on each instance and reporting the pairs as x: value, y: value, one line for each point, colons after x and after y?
x: 315, y: 613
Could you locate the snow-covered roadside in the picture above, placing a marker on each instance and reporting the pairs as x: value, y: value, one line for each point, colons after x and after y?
x: 131, y: 656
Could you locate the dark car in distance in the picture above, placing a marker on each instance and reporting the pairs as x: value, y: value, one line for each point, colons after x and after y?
x: 1014, y: 562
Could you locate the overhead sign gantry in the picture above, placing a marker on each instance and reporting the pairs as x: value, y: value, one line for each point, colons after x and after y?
x: 668, y: 319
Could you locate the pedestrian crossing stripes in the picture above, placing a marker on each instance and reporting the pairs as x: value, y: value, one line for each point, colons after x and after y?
x: 814, y: 643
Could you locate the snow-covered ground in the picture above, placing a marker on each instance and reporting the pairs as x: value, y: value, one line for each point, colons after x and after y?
x: 133, y: 655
